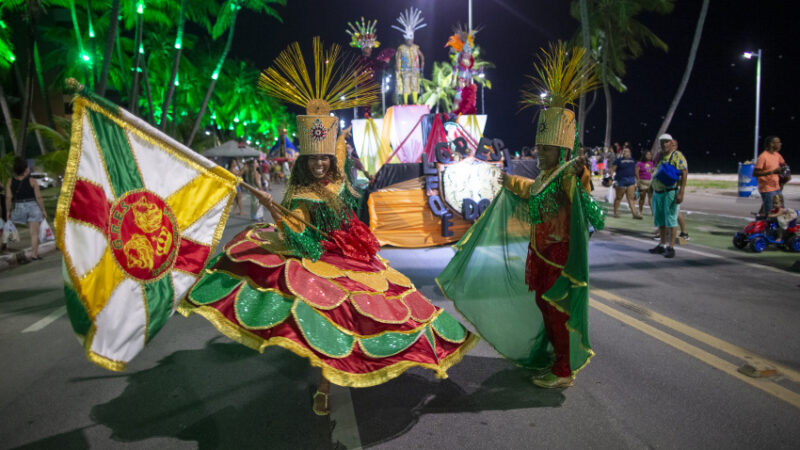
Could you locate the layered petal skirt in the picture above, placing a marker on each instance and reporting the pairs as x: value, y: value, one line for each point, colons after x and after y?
x: 362, y: 323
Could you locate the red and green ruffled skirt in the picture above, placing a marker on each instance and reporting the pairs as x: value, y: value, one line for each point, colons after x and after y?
x: 362, y: 323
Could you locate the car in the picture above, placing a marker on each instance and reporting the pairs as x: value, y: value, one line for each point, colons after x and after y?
x: 762, y: 232
x: 43, y: 179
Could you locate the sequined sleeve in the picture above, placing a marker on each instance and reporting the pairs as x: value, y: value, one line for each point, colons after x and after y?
x: 519, y: 186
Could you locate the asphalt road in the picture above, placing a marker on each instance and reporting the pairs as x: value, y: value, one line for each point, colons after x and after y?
x: 669, y: 337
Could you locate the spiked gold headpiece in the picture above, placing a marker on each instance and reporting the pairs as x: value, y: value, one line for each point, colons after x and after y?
x: 337, y: 85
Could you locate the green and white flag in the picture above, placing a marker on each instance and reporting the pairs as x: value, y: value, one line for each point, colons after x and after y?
x: 138, y: 218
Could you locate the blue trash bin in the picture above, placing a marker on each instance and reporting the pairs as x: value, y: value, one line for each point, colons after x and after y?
x: 748, y: 184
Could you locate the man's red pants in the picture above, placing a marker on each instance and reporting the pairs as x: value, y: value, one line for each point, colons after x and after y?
x: 540, y: 277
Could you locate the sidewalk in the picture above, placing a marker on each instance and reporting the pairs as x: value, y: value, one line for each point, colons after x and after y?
x: 20, y: 252
x: 712, y: 216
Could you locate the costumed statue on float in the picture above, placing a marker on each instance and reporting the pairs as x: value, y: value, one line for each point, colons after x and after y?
x: 462, y: 42
x: 313, y: 283
x: 364, y: 36
x: 544, y: 222
x: 410, y: 62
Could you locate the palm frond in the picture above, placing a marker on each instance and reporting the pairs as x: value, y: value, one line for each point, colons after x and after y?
x: 338, y: 81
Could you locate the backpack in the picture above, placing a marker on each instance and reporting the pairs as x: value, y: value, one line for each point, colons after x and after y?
x: 668, y: 174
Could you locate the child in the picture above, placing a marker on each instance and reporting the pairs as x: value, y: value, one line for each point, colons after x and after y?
x: 785, y: 218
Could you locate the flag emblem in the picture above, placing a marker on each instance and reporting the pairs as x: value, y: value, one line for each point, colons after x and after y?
x: 138, y: 218
x: 143, y: 235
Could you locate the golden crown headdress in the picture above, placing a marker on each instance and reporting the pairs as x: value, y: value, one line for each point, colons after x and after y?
x: 363, y: 34
x: 337, y: 84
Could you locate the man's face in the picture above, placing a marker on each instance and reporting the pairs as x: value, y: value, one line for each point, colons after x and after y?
x: 775, y: 145
x: 548, y: 156
x: 668, y: 145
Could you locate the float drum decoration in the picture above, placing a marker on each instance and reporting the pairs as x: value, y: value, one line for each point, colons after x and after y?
x: 466, y: 187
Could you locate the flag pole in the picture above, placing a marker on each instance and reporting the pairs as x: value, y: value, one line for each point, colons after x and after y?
x: 285, y: 211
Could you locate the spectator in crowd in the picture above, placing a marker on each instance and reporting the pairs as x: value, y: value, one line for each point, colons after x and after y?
x: 235, y: 168
x: 669, y: 186
x: 24, y: 203
x: 624, y: 172
x: 768, y: 168
x: 644, y: 176
x: 252, y: 176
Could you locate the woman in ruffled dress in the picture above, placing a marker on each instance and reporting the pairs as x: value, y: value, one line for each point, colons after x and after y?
x: 313, y: 282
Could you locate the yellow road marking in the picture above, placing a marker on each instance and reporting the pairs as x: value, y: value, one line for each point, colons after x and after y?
x: 714, y: 361
x: 705, y: 338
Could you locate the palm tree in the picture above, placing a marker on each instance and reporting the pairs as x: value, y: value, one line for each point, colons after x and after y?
x: 199, y: 13
x: 686, y: 74
x: 616, y: 37
x: 586, y: 43
x: 439, y: 90
x: 7, y: 58
x: 226, y: 20
x: 111, y: 37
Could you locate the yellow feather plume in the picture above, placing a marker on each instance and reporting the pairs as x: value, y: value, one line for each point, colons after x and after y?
x: 562, y: 75
x: 339, y: 83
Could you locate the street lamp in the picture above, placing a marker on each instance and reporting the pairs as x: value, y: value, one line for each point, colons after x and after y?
x: 750, y: 55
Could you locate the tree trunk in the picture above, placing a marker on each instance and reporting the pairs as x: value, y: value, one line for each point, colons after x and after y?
x: 582, y: 110
x: 78, y: 38
x: 27, y: 90
x: 147, y: 91
x: 21, y: 87
x: 7, y: 118
x: 199, y: 119
x: 686, y: 74
x: 607, y: 92
x: 122, y: 69
x: 48, y: 109
x: 133, y: 101
x: 108, y: 53
x: 174, y: 74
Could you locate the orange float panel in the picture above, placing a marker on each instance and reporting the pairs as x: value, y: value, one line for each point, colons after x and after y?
x: 402, y: 218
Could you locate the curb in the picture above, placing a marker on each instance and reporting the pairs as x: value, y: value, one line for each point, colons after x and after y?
x: 11, y: 260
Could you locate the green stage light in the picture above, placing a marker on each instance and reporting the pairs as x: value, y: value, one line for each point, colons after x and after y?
x: 140, y: 7
x: 85, y: 57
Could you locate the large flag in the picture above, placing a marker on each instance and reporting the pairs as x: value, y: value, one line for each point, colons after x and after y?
x: 138, y: 218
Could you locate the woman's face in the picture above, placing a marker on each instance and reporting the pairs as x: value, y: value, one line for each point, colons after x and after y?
x: 319, y: 165
x: 648, y: 156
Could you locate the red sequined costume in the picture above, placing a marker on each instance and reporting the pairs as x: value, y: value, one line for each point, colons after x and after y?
x: 333, y: 301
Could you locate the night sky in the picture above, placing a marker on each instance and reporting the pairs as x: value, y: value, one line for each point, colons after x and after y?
x: 713, y: 124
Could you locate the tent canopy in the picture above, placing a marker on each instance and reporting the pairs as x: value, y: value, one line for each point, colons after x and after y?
x: 291, y: 150
x: 232, y: 149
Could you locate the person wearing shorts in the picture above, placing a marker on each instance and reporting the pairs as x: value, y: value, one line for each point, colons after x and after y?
x: 644, y: 176
x: 624, y: 171
x: 667, y: 199
x: 24, y: 203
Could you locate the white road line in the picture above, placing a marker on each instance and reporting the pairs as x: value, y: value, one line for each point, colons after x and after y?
x: 47, y: 320
x: 712, y: 255
x: 346, y: 430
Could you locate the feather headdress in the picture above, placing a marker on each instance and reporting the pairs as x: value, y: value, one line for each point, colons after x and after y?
x: 562, y: 75
x: 363, y: 34
x: 462, y: 37
x: 337, y: 84
x: 410, y: 20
